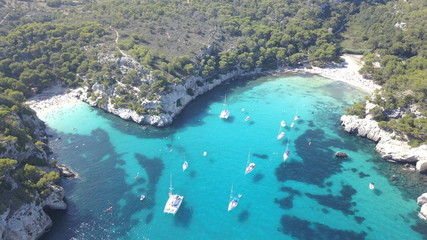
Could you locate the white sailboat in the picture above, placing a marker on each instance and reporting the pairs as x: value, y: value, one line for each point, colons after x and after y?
x: 249, y: 166
x: 184, y: 165
x: 225, y: 113
x: 233, y: 200
x: 287, y: 152
x: 296, y: 116
x: 281, y: 133
x: 174, y: 201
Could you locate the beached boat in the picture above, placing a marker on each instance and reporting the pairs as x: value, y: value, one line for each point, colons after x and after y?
x: 225, y: 113
x: 233, y: 200
x: 184, y: 165
x: 249, y: 166
x: 283, y: 123
x: 174, y: 201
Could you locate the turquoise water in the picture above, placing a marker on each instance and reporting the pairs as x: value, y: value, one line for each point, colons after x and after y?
x: 312, y: 195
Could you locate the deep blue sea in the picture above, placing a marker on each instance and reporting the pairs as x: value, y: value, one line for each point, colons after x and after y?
x: 311, y: 195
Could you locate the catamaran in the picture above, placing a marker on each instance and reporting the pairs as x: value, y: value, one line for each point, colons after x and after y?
x: 174, y: 201
x: 234, y: 200
x: 249, y: 166
x: 184, y: 165
x: 225, y: 113
x: 287, y: 152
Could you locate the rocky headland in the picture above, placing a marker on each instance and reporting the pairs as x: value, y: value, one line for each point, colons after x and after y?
x: 27, y: 219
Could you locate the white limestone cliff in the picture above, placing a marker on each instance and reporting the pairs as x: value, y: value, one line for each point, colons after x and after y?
x: 387, y: 146
x: 30, y: 221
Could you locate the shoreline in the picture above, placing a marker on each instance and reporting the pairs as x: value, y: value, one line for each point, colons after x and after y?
x: 58, y: 97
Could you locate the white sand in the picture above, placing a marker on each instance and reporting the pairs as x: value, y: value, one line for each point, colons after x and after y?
x: 57, y: 97
x: 53, y: 98
x: 347, y: 72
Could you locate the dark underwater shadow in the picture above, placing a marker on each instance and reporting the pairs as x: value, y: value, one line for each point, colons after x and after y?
x: 101, y: 174
x: 257, y: 177
x: 243, y: 216
x: 183, y: 216
x: 305, y: 230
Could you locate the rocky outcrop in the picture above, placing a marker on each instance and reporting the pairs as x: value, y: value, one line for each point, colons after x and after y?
x: 66, y: 171
x: 389, y: 148
x: 341, y: 155
x: 30, y: 221
x: 422, y: 201
x: 421, y: 166
x: 27, y: 219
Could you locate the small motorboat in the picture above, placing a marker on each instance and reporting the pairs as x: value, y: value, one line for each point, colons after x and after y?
x: 205, y: 153
x: 283, y: 124
x: 371, y: 186
x: 281, y: 135
x: 292, y: 124
x: 184, y: 165
x: 142, y: 197
x: 247, y: 118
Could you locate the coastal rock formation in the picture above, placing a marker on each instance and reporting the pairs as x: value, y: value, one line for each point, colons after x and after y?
x: 172, y: 103
x: 25, y: 218
x: 66, y: 171
x: 421, y: 166
x: 30, y: 221
x: 421, y: 200
x: 341, y: 155
x: 389, y: 148
x: 423, y: 212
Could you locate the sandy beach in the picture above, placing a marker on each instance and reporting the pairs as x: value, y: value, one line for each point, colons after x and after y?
x: 52, y: 98
x: 57, y: 96
x: 347, y: 72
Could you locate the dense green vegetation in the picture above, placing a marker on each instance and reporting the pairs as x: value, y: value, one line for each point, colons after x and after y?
x: 73, y: 43
x: 172, y: 39
x: 20, y: 181
x: 396, y: 34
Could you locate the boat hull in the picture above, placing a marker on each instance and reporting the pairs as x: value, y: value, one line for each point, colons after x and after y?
x: 173, y: 204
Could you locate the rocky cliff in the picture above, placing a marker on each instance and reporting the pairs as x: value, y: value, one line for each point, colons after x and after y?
x: 27, y: 219
x: 30, y: 221
x: 389, y: 148
x: 171, y: 103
